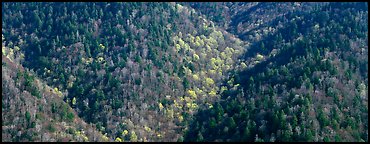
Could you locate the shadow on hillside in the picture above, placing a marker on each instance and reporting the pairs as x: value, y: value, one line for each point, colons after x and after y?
x: 201, y: 129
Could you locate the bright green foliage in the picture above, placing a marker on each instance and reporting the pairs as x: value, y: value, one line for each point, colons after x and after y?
x: 212, y: 93
x: 259, y: 57
x: 243, y: 65
x: 118, y: 139
x: 121, y: 60
x: 209, y: 81
x: 192, y: 94
x: 160, y: 106
x: 133, y: 137
x: 125, y: 132
x: 101, y: 46
x: 195, y: 57
x: 74, y: 101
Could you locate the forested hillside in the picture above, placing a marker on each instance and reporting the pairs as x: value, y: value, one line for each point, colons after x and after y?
x: 147, y: 71
x: 307, y: 82
x: 33, y: 111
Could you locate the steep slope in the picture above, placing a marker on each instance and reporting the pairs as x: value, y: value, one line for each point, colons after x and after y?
x: 250, y: 21
x: 32, y: 111
x: 139, y: 71
x: 168, y: 72
x: 312, y: 87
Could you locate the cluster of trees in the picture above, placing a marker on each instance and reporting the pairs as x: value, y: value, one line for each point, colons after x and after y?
x: 144, y: 68
x: 168, y: 72
x: 312, y: 89
x: 32, y: 111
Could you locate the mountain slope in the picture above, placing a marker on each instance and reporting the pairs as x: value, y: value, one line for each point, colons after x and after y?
x: 32, y: 111
x: 139, y: 71
x: 313, y: 86
x: 185, y: 71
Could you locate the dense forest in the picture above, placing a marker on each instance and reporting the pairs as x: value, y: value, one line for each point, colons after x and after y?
x: 188, y: 71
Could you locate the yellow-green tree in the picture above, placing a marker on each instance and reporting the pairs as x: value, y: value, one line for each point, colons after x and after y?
x: 74, y: 101
x: 125, y: 132
x: 133, y: 137
x: 160, y: 106
x: 209, y: 81
x: 118, y: 139
x: 192, y: 94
